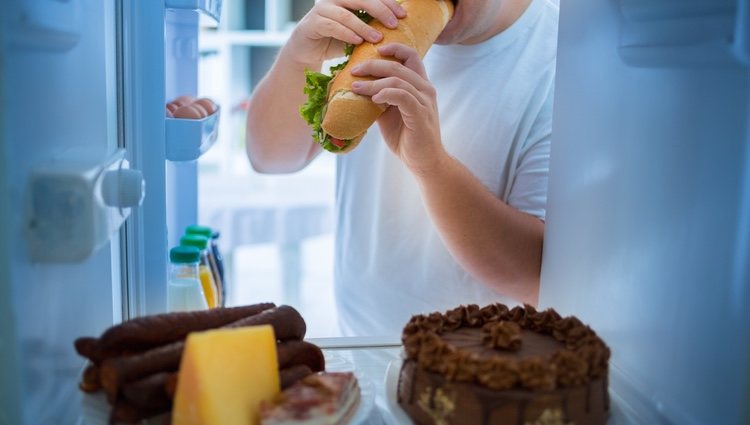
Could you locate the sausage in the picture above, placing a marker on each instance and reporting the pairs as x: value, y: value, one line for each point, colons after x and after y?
x: 170, y: 386
x: 117, y: 371
x: 125, y: 412
x: 90, y: 382
x: 291, y: 353
x: 291, y: 375
x: 149, y: 393
x: 167, y: 382
x: 88, y: 347
x: 286, y: 322
x: 150, y: 331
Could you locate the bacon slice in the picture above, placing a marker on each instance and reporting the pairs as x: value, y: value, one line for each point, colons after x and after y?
x: 324, y: 398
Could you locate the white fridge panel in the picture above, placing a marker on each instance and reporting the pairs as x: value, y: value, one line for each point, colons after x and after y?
x: 648, y: 219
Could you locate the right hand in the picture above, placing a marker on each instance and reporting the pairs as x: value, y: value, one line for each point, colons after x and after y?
x: 323, y: 31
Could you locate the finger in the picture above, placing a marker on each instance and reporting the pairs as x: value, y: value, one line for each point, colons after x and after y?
x: 370, y: 88
x: 387, y: 68
x: 329, y: 28
x: 385, y: 11
x: 406, y: 103
x: 345, y: 18
x: 406, y: 55
x: 396, y: 8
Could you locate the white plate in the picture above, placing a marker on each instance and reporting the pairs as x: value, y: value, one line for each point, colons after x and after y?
x: 96, y: 409
x: 398, y: 415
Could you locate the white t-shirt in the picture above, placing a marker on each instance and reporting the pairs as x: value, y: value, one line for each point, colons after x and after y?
x: 495, y: 105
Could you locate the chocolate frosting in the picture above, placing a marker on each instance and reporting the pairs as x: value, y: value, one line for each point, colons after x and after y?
x: 502, y: 334
x: 581, y: 356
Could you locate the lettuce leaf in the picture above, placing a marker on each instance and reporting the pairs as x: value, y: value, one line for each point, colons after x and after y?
x: 316, y: 89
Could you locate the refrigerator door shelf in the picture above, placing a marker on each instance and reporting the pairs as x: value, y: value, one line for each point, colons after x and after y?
x: 210, y: 8
x: 188, y: 139
x: 681, y: 33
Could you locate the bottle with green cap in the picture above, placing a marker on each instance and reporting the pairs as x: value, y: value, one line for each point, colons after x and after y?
x: 184, y: 290
x: 214, y: 258
x: 210, y: 290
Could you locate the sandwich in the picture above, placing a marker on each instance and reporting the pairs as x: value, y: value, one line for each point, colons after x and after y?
x: 339, y: 117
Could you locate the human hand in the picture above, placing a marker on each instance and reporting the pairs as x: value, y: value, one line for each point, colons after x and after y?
x: 410, y: 125
x: 323, y: 31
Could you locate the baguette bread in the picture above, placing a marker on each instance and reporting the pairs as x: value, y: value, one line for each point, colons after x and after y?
x: 347, y: 115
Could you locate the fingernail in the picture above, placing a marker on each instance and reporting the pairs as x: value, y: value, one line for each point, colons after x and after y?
x: 374, y: 35
x: 358, y: 85
x: 356, y: 69
x: 392, y: 22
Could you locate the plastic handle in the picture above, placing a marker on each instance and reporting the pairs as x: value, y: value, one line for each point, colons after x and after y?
x: 123, y: 188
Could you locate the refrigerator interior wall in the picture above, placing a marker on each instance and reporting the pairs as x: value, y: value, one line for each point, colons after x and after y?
x: 181, y: 66
x: 186, y: 140
x: 59, y: 93
x: 648, y: 225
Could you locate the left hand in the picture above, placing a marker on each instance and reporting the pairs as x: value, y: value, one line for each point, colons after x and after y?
x: 410, y: 125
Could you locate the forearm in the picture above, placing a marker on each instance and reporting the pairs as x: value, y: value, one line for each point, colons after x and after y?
x: 278, y: 139
x: 494, y: 242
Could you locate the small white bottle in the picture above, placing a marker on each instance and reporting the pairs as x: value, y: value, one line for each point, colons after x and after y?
x: 184, y: 291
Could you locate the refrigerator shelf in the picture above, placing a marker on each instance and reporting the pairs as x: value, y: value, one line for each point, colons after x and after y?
x: 188, y: 139
x: 210, y: 8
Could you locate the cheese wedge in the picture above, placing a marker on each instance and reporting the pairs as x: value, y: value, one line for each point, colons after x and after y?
x: 225, y: 375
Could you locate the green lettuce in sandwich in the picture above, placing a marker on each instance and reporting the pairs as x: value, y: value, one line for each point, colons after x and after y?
x: 339, y: 117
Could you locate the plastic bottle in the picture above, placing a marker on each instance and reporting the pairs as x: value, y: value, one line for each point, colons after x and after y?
x: 184, y: 291
x: 210, y: 289
x: 219, y: 265
x: 216, y: 271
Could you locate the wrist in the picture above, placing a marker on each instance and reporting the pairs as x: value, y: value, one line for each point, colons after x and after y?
x: 291, y: 58
x: 429, y: 170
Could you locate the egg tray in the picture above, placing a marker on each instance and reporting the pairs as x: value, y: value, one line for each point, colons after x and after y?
x: 188, y: 139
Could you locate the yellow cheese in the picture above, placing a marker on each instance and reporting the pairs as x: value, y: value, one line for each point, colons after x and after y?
x: 224, y: 375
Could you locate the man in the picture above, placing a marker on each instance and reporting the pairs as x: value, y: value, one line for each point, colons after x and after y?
x: 443, y: 204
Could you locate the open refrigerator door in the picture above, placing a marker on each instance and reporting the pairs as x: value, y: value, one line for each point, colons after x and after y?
x: 648, y: 225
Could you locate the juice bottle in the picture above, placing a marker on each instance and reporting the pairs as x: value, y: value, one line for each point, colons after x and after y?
x: 210, y: 289
x: 184, y: 291
x: 216, y: 270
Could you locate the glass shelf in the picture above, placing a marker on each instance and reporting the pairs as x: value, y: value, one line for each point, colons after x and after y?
x: 210, y: 8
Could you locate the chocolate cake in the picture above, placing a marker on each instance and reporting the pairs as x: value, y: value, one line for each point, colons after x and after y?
x: 493, y: 365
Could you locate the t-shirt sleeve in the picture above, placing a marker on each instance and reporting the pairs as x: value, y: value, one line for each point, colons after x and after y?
x: 529, y: 190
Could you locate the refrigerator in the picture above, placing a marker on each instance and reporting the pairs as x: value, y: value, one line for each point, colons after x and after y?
x: 647, y: 234
x: 95, y: 178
